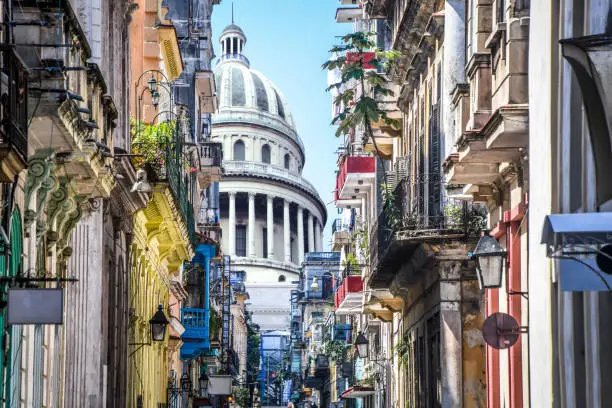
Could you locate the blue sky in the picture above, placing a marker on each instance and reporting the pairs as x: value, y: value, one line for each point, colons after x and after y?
x: 288, y: 40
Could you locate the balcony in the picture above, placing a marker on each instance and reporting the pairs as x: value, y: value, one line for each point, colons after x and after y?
x: 416, y: 216
x: 196, y: 338
x: 341, y: 235
x: 269, y: 171
x: 342, y: 332
x: 205, y: 88
x: 211, y: 160
x: 348, y: 14
x: 349, y: 295
x: 356, y: 174
x: 14, y: 116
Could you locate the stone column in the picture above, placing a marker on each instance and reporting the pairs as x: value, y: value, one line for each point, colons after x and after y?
x: 318, y: 237
x: 287, y: 231
x: 453, y: 68
x: 232, y: 223
x: 251, y: 243
x: 300, y: 233
x: 270, y: 219
x: 311, y: 246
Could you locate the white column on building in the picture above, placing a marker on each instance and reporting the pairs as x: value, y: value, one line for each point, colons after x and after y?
x: 318, y: 237
x: 270, y: 219
x: 255, y: 143
x: 251, y: 246
x: 300, y: 233
x: 232, y: 223
x: 311, y: 247
x: 287, y: 231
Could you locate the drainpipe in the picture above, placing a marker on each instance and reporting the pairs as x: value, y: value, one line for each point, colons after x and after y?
x: 513, y: 284
x: 492, y: 301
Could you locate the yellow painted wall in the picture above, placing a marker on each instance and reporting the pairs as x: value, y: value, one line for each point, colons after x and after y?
x: 159, y: 247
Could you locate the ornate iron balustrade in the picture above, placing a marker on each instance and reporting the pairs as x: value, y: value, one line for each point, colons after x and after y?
x: 412, y: 213
x: 182, y: 186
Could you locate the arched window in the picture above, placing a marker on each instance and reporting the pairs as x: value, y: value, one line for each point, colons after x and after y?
x: 239, y: 150
x: 287, y: 161
x: 282, y: 278
x: 265, y: 153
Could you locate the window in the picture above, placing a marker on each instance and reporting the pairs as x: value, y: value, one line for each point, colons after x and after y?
x: 287, y: 161
x: 241, y: 240
x: 239, y: 150
x: 265, y: 243
x: 265, y: 153
x: 282, y: 278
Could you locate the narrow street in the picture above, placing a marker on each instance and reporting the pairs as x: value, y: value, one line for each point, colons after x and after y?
x: 324, y: 204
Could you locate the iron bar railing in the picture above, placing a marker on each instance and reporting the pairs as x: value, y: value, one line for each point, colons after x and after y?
x: 14, y: 125
x: 406, y: 214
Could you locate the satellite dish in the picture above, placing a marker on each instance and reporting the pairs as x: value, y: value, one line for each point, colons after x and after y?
x: 500, y: 331
x: 604, y: 259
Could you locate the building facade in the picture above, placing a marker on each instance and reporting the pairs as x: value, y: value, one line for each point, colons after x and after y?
x: 271, y: 214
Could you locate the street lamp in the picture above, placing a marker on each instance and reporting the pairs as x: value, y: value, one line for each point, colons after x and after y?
x: 185, y: 383
x: 490, y: 261
x: 362, y: 346
x: 158, y: 323
x: 203, y: 382
x: 155, y: 99
x: 152, y: 84
x: 315, y: 284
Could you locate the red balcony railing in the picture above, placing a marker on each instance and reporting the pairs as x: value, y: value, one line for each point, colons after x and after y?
x: 350, y: 284
x: 353, y: 165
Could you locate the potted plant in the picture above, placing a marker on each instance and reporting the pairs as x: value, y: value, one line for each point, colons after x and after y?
x: 150, y: 145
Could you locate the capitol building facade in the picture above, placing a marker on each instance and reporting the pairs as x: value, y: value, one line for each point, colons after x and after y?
x: 270, y: 215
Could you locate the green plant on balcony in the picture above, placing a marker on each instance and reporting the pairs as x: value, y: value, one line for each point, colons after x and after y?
x: 361, y: 240
x: 350, y: 263
x: 241, y: 396
x: 148, y: 141
x: 334, y: 349
x: 402, y: 350
x: 360, y: 102
x: 215, y: 323
x: 476, y: 217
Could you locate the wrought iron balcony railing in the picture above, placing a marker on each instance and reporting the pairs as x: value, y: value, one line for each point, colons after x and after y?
x: 14, y: 92
x: 415, y: 211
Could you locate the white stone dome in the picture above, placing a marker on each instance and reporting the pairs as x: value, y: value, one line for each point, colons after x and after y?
x: 246, y: 95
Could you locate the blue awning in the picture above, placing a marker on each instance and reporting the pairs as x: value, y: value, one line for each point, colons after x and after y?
x: 577, y: 228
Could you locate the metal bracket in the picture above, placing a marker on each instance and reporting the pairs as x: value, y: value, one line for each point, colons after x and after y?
x: 140, y: 345
x: 523, y: 294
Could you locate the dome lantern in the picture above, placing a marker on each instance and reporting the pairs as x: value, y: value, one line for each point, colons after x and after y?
x: 232, y: 42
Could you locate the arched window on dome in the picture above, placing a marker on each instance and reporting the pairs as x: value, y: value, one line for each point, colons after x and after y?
x: 239, y: 150
x: 282, y: 278
x: 265, y: 154
x: 287, y: 161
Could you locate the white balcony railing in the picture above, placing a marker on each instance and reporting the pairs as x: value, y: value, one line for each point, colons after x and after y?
x: 270, y: 170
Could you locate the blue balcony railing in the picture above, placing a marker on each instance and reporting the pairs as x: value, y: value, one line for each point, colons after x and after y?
x: 322, y: 256
x: 195, y: 322
x: 196, y: 337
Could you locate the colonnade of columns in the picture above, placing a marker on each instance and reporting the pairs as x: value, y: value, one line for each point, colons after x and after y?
x: 314, y: 229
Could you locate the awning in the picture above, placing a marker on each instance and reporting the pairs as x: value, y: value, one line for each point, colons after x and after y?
x: 578, y: 228
x: 582, y: 274
x: 358, y: 392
